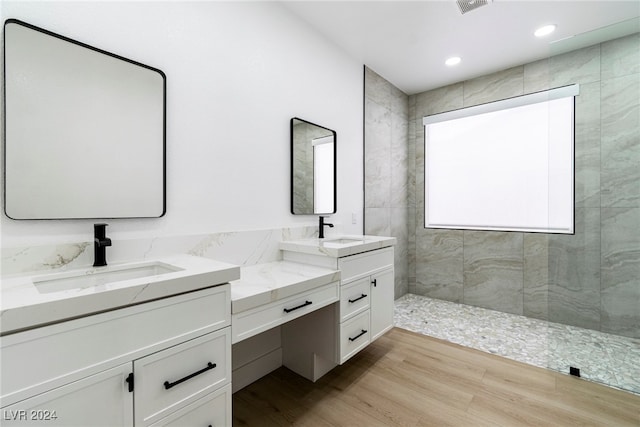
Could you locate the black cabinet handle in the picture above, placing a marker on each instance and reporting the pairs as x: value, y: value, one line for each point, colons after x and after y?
x: 289, y: 310
x: 168, y: 385
x: 129, y: 381
x: 358, y: 336
x: 358, y: 299
x: 375, y: 282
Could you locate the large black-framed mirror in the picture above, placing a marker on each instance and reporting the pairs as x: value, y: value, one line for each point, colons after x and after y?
x: 84, y: 130
x: 313, y: 168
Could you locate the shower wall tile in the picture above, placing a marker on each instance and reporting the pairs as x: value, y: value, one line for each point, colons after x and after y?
x: 411, y: 246
x: 419, y: 172
x: 621, y: 271
x: 399, y: 157
x: 412, y: 126
x: 579, y: 66
x: 399, y: 229
x: 376, y: 88
x: 377, y: 176
x: 399, y: 102
x: 439, y: 264
x: 439, y: 100
x: 574, y: 272
x: 587, y: 146
x: 621, y: 57
x: 537, y: 76
x: 500, y: 85
x: 493, y: 270
x: 620, y: 179
x: 536, y: 275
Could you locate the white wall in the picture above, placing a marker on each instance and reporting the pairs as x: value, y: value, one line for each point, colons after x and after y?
x: 236, y: 73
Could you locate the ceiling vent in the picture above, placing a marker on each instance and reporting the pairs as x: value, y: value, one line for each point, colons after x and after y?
x: 469, y: 5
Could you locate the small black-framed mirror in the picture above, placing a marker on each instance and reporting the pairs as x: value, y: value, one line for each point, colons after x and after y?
x: 313, y: 169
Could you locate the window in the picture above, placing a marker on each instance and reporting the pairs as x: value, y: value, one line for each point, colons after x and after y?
x: 506, y: 165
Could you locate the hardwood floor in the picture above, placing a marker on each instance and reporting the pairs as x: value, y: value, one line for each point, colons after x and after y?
x: 408, y: 379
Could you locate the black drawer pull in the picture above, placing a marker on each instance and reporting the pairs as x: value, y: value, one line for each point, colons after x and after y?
x: 168, y: 385
x: 358, y: 299
x: 289, y: 310
x: 374, y: 282
x: 358, y: 336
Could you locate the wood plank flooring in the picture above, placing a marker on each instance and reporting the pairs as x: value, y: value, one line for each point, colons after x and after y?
x: 408, y: 379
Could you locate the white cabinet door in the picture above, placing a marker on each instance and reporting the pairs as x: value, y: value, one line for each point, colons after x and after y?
x: 102, y: 399
x: 382, y: 291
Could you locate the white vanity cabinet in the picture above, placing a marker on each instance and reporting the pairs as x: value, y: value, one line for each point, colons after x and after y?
x: 366, y: 295
x: 156, y: 363
x: 366, y: 299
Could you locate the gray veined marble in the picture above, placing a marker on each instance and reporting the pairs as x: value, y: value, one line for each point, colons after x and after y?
x: 377, y: 176
x: 493, y: 270
x: 377, y: 88
x: 536, y: 276
x: 399, y: 183
x: 621, y: 141
x: 439, y: 264
x: 587, y: 146
x: 621, y: 57
x: 574, y: 272
x: 621, y: 271
x: 503, y: 84
x: 579, y: 66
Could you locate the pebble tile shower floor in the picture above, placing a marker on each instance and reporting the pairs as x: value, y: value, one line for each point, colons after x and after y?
x: 609, y: 359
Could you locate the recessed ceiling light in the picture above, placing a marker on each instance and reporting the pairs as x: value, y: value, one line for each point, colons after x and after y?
x: 454, y: 60
x: 545, y: 31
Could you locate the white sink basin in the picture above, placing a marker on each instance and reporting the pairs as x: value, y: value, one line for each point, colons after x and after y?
x: 98, y: 276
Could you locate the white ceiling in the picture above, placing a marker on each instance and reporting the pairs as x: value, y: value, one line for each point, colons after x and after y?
x: 407, y: 42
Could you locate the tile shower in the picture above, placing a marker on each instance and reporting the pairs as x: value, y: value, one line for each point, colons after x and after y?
x: 590, y: 280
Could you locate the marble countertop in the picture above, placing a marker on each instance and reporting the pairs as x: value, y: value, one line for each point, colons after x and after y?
x: 264, y: 283
x: 338, y: 246
x: 24, y: 305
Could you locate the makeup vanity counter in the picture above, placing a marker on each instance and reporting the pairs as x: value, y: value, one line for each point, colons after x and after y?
x: 366, y: 294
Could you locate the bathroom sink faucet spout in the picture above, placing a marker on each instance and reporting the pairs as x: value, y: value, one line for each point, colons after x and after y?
x: 321, y: 227
x: 100, y: 243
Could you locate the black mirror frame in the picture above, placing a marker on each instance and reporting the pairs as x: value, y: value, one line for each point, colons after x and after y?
x: 335, y: 167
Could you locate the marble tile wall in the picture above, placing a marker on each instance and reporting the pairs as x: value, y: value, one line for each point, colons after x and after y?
x: 590, y: 279
x: 239, y: 248
x: 386, y: 169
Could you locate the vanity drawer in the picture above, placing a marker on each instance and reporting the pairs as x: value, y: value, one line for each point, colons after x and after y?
x: 172, y: 378
x: 354, y: 298
x: 212, y: 410
x: 251, y: 322
x: 354, y: 336
x: 357, y: 266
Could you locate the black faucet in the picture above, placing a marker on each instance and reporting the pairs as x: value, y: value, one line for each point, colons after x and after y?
x: 100, y: 243
x: 321, y: 227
